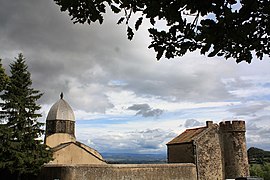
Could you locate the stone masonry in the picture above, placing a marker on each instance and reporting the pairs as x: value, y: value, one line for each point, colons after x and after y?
x: 218, y: 150
x: 122, y: 171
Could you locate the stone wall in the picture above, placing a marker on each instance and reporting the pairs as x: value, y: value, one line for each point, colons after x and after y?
x: 183, y: 153
x: 124, y: 171
x: 58, y: 138
x: 209, y: 155
x: 74, y: 154
x: 234, y: 149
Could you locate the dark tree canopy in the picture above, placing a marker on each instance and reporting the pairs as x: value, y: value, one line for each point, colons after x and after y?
x: 21, y: 152
x: 238, y: 29
x: 3, y: 77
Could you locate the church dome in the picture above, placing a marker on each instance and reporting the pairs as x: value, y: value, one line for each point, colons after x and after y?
x: 61, y: 110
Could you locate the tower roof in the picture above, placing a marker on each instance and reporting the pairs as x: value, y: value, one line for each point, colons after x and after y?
x: 61, y: 110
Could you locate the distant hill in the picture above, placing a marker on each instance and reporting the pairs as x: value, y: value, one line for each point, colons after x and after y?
x: 258, y: 156
x: 129, y: 158
x: 255, y: 156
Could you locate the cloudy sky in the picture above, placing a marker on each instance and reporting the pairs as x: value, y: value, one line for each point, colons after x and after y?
x: 124, y: 100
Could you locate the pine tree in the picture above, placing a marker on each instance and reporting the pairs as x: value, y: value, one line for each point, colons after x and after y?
x: 26, y: 153
x: 3, y: 82
x: 3, y: 77
x: 3, y: 126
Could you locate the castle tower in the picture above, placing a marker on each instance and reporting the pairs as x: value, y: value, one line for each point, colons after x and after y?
x: 60, y: 124
x: 234, y: 149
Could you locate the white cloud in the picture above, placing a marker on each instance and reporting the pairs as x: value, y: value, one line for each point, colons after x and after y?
x: 143, y: 141
x: 102, y: 74
x: 192, y: 123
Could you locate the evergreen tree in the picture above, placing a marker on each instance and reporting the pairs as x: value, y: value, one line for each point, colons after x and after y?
x: 3, y: 77
x: 3, y: 82
x: 3, y: 127
x: 23, y: 153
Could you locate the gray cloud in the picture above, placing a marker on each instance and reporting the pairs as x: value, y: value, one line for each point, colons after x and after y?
x: 251, y: 126
x: 261, y: 119
x: 149, y: 140
x: 63, y: 56
x: 82, y: 61
x: 236, y: 83
x: 258, y: 137
x: 248, y: 108
x: 264, y: 145
x: 192, y: 123
x: 145, y: 110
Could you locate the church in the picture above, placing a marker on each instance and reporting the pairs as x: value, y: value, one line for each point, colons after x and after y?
x: 214, y: 151
x: 60, y: 137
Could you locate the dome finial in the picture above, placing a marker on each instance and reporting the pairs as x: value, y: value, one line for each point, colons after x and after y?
x: 61, y: 95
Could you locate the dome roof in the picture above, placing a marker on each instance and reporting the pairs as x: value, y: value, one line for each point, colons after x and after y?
x: 61, y: 110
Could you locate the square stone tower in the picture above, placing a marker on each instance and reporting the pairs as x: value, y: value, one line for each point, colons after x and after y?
x: 218, y: 151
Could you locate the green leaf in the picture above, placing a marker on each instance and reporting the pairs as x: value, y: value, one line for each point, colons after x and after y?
x: 152, y: 21
x: 121, y: 20
x: 160, y: 51
x: 115, y: 9
x: 138, y: 23
x: 205, y: 48
x: 208, y: 23
x: 213, y: 53
x: 130, y: 33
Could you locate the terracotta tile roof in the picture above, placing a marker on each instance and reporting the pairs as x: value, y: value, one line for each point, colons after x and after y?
x: 187, y: 136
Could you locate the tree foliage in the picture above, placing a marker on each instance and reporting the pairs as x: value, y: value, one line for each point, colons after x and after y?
x: 258, y: 156
x: 3, y: 77
x: 21, y: 152
x: 238, y: 29
x: 259, y: 161
x: 260, y: 170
